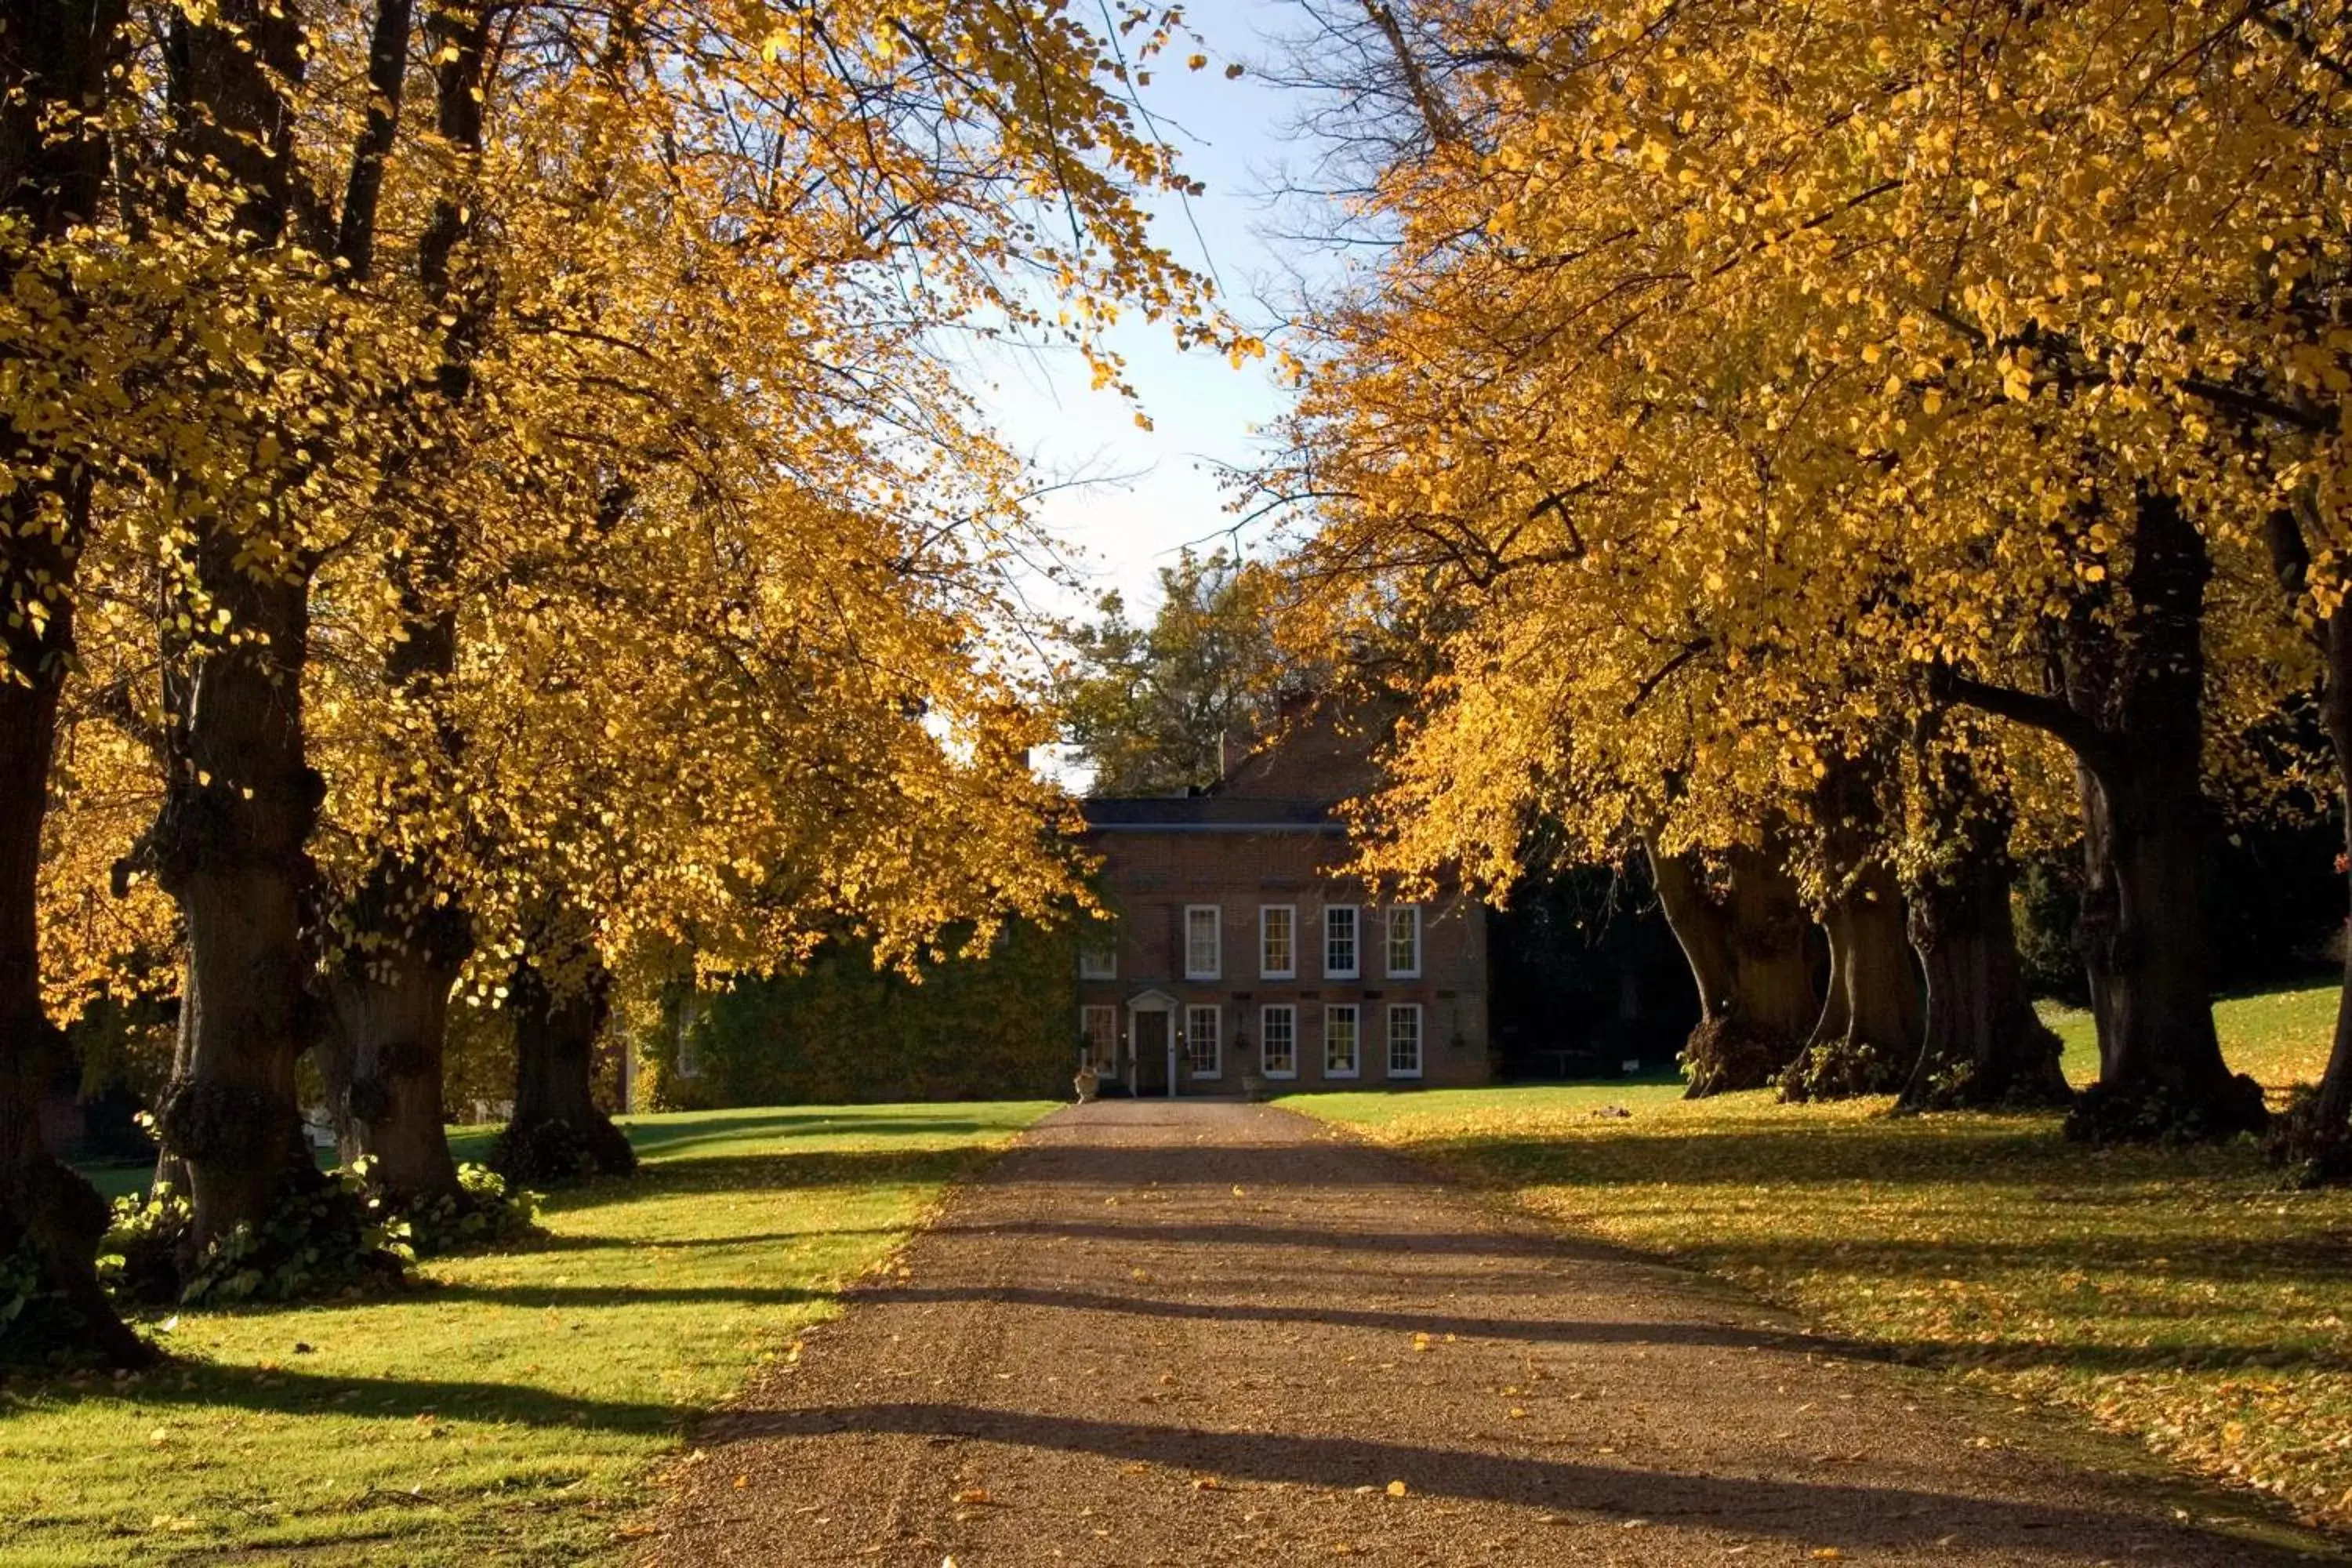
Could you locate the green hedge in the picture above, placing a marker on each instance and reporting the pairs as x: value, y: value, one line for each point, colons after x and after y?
x: 840, y: 1031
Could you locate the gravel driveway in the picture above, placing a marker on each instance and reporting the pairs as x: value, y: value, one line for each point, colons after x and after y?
x: 1191, y: 1332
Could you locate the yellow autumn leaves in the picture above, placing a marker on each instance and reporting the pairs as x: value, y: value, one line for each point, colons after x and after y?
x: 639, y: 426
x: 1734, y: 368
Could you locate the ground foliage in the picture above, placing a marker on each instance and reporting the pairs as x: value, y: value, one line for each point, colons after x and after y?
x: 2177, y: 1296
x: 511, y: 1405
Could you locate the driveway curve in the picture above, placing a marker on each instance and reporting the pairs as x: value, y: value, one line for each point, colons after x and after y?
x: 1188, y: 1333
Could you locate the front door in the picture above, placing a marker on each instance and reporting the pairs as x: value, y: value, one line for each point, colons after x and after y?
x: 1150, y: 1075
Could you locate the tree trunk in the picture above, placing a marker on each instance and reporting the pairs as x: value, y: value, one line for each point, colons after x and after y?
x: 230, y: 845
x: 237, y: 815
x: 2315, y: 1139
x: 1873, y: 1022
x: 1985, y: 1046
x: 2161, y: 1072
x: 1746, y: 953
x: 558, y: 998
x: 2132, y: 712
x: 389, y: 1005
x: 53, y: 65
x: 1701, y: 925
x: 410, y: 933
x: 44, y: 1205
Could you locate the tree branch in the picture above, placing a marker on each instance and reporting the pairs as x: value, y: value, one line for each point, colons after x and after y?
x: 2075, y: 730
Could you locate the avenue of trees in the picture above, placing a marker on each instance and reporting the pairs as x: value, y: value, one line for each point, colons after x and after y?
x: 486, y: 510
x: 1832, y: 450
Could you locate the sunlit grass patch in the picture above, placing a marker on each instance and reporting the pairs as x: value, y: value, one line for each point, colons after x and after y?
x: 508, y: 1412
x: 2179, y: 1295
x: 2280, y: 1037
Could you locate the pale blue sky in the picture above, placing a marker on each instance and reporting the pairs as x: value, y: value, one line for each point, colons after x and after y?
x: 1204, y: 411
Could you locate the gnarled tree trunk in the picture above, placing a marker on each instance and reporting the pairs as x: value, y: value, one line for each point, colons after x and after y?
x: 230, y: 845
x: 1985, y: 1046
x: 1746, y: 952
x: 2315, y: 1138
x: 559, y: 1001
x: 389, y: 1025
x: 1868, y: 1036
x: 2132, y: 712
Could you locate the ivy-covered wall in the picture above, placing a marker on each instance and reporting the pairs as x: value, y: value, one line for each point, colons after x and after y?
x: 840, y: 1031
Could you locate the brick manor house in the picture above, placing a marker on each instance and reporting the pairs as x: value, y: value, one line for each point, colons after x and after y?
x: 1236, y: 947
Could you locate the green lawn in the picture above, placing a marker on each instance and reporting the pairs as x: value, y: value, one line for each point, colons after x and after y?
x: 2177, y: 1296
x: 508, y: 1411
x: 2280, y: 1037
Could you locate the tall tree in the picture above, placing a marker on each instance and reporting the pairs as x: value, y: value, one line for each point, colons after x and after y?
x: 1159, y: 710
x: 1803, y: 368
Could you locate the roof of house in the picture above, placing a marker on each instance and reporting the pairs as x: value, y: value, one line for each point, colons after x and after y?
x: 1293, y: 780
x: 1209, y: 813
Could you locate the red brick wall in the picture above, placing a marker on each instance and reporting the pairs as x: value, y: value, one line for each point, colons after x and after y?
x: 1151, y: 875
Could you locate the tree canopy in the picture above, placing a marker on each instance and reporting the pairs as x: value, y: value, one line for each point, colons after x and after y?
x: 1155, y: 709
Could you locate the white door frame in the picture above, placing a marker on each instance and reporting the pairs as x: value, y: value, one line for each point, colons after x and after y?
x: 1152, y: 1002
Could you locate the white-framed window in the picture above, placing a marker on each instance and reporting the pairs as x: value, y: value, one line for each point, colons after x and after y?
x: 1203, y: 950
x: 1099, y: 1027
x: 1278, y: 942
x: 1341, y: 958
x: 1277, y: 1031
x: 1341, y: 1057
x: 1099, y: 954
x: 1405, y: 1039
x: 1205, y: 1052
x: 1404, y: 942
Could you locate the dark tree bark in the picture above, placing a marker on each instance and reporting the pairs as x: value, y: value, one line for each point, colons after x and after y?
x: 54, y: 63
x: 2316, y: 1137
x: 2131, y: 709
x: 1867, y: 1037
x: 387, y: 1041
x: 230, y: 844
x: 1873, y: 1021
x: 1985, y: 1046
x: 411, y: 936
x: 559, y: 1001
x: 1746, y: 952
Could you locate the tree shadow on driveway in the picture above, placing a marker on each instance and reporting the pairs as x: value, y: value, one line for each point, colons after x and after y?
x: 1803, y: 1512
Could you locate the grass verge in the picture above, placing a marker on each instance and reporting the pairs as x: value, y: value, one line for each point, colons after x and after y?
x: 2177, y: 1296
x: 507, y: 1411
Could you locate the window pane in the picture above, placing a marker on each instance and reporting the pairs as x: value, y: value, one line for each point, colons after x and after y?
x: 1276, y: 939
x: 1202, y: 1050
x: 1404, y: 1040
x: 1098, y: 959
x: 1279, y: 1026
x: 1339, y: 941
x: 1101, y: 1027
x: 1201, y: 942
x: 1404, y: 940
x: 1339, y: 1040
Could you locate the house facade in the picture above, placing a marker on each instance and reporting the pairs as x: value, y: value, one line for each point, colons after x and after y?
x: 1237, y: 946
